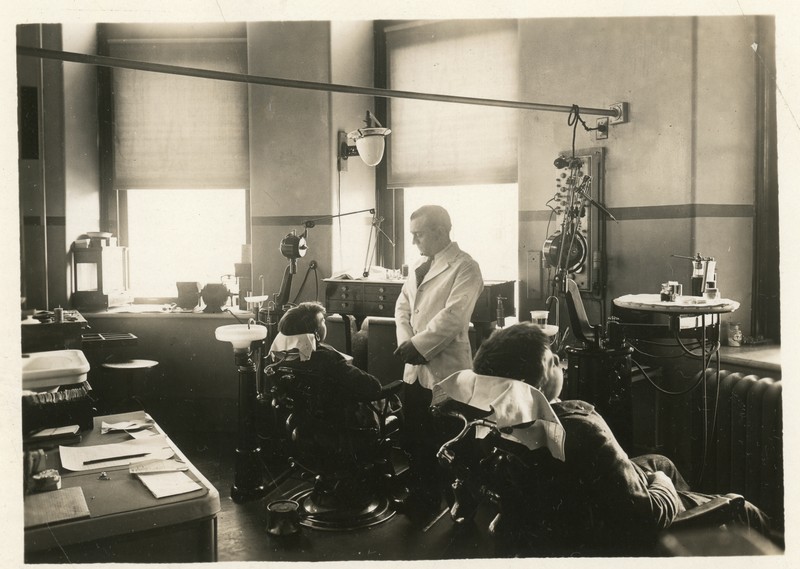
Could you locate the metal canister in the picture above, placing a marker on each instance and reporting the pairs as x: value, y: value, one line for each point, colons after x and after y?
x: 58, y: 314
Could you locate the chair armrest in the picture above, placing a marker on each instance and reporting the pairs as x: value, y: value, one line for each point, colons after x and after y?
x: 391, y: 388
x: 719, y: 510
x: 454, y: 408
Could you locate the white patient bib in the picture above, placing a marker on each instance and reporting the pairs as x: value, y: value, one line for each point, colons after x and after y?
x: 514, y: 404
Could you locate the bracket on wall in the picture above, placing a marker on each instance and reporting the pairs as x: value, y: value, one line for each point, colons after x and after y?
x: 602, y: 129
x: 343, y: 151
x: 622, y: 113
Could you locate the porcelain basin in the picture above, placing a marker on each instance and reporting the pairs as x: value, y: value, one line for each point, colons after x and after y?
x: 45, y: 370
x: 241, y: 335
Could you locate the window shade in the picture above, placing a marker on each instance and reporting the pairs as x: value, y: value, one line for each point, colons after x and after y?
x: 173, y: 131
x: 435, y: 143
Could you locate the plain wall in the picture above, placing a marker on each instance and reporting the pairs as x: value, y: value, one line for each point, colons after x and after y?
x: 680, y: 175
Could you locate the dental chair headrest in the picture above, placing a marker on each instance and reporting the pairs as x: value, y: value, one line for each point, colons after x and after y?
x: 513, y: 404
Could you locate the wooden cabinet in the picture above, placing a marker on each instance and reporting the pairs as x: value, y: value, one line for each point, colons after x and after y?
x: 363, y: 298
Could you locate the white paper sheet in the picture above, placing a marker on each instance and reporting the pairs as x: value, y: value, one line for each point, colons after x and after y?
x: 105, y: 456
x: 134, y: 425
x: 165, y: 484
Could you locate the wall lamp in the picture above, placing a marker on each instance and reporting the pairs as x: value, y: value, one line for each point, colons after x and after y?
x: 368, y: 141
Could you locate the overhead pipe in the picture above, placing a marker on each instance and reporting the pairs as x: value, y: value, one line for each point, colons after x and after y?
x: 117, y: 62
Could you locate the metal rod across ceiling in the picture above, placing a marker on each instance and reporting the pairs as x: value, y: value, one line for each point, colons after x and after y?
x: 106, y: 61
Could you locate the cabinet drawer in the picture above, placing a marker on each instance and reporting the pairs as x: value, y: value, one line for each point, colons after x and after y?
x: 346, y: 292
x: 334, y: 306
x: 382, y: 297
x: 382, y: 292
x: 373, y: 308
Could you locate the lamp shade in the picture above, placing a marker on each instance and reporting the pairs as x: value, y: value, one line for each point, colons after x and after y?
x: 370, y: 144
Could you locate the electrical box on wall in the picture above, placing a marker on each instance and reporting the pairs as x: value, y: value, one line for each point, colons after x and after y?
x: 575, y: 248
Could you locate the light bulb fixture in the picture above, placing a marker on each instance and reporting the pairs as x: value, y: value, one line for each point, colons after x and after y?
x: 368, y: 143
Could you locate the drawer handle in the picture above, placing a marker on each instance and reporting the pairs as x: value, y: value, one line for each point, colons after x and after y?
x: 345, y: 295
x: 381, y: 289
x: 380, y: 307
x: 381, y: 297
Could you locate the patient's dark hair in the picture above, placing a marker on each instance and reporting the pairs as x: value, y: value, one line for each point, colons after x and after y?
x: 515, y: 352
x: 302, y: 319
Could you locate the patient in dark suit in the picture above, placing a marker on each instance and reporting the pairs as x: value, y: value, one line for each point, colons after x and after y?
x: 595, y: 495
x: 299, y: 344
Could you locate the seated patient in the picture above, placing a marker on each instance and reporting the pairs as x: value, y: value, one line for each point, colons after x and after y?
x: 587, y: 493
x: 298, y: 344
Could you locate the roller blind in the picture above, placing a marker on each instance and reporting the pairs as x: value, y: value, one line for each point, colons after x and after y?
x: 173, y: 131
x: 435, y: 143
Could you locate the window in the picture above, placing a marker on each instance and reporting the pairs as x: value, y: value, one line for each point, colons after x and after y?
x: 462, y: 157
x: 484, y: 223
x: 183, y: 235
x: 176, y: 170
x: 438, y: 143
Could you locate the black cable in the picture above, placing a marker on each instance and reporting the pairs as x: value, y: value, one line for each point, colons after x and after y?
x: 573, y: 119
x: 676, y: 355
x: 702, y: 355
x: 656, y: 356
x: 339, y: 212
x: 706, y: 431
x: 666, y: 391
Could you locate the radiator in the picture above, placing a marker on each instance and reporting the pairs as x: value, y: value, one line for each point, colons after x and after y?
x: 744, y: 452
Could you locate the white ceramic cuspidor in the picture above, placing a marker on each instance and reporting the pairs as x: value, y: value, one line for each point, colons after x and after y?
x: 241, y: 335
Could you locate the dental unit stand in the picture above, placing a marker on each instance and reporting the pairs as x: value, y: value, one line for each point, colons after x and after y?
x: 249, y: 471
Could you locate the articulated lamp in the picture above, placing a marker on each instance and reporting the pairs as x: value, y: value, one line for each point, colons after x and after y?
x: 368, y: 141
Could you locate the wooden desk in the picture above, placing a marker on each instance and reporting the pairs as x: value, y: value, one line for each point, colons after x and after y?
x: 126, y: 523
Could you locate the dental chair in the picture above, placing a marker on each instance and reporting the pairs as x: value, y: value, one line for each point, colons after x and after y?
x: 344, y: 447
x: 496, y: 474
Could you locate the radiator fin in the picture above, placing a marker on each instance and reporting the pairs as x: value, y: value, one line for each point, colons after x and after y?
x: 745, y: 449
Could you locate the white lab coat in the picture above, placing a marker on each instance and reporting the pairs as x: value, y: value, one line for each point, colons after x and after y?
x: 435, y: 316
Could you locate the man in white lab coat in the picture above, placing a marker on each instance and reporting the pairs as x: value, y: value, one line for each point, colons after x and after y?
x: 432, y: 316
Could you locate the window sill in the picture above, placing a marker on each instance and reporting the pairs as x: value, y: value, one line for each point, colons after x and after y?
x: 163, y: 311
x: 760, y: 359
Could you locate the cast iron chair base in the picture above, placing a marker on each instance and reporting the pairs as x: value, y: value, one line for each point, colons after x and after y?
x: 371, y: 512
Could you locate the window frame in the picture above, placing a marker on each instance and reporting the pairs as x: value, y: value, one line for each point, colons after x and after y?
x: 113, y: 200
x: 122, y: 207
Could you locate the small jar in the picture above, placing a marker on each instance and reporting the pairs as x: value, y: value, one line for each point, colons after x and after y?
x: 666, y: 292
x: 734, y: 335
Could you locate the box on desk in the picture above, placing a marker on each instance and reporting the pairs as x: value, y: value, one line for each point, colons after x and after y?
x: 70, y: 405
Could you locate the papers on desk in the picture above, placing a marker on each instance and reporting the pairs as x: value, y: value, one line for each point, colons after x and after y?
x: 118, y: 454
x: 163, y: 484
x: 153, y: 466
x: 125, y: 426
x: 55, y: 506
